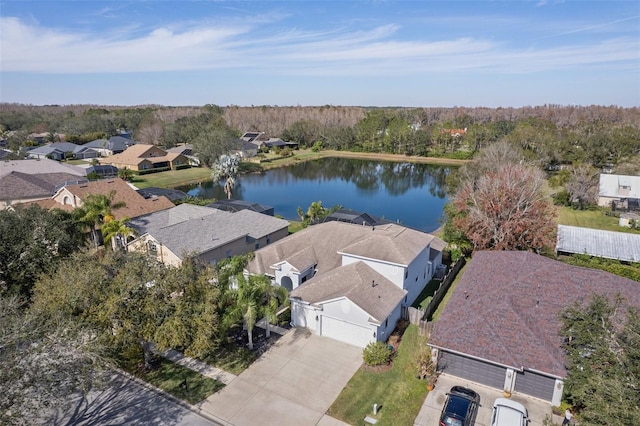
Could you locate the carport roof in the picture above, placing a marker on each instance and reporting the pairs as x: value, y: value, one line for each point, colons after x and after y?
x: 506, y: 308
x: 600, y: 243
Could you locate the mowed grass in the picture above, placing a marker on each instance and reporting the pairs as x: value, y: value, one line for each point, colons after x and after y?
x: 398, y: 392
x: 172, y: 178
x: 595, y: 219
x: 170, y: 377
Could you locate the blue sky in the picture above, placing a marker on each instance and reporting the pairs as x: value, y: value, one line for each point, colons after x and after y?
x: 367, y: 53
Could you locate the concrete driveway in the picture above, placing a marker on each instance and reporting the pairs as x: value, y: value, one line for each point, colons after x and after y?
x: 293, y: 383
x: 433, y: 403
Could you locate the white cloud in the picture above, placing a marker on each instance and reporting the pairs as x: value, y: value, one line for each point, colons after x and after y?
x: 255, y: 46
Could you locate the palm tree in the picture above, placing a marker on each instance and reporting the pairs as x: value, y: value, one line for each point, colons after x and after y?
x: 226, y: 168
x: 114, y: 230
x: 95, y: 208
x: 125, y: 174
x: 274, y: 296
x: 247, y: 304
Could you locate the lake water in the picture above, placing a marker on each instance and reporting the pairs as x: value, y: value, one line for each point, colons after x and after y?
x: 412, y: 194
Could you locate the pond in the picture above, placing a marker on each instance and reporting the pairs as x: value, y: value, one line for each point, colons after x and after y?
x: 411, y: 194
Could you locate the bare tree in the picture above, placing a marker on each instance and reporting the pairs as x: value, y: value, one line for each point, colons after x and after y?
x: 505, y: 209
x: 583, y: 185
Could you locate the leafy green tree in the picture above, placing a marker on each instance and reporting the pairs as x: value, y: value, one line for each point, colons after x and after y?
x: 603, y: 353
x: 315, y: 213
x: 275, y: 297
x: 94, y: 210
x: 32, y: 241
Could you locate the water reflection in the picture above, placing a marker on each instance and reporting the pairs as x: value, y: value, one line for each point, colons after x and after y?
x: 412, y: 194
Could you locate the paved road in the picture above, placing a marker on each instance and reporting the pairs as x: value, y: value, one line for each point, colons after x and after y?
x: 127, y: 402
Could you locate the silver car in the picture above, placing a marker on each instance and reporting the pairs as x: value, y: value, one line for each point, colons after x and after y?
x: 508, y: 413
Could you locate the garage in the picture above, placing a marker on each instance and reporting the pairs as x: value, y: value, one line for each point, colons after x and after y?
x: 346, y: 332
x: 472, y: 369
x: 535, y: 384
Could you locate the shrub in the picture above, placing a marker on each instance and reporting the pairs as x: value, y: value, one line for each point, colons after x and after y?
x: 376, y: 353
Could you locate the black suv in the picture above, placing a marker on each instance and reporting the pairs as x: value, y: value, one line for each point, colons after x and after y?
x: 461, y: 407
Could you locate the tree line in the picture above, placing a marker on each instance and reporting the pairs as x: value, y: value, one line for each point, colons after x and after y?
x: 552, y: 134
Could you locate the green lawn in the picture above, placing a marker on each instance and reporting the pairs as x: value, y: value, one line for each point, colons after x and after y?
x: 231, y: 358
x: 172, y: 178
x: 397, y: 391
x: 424, y: 298
x: 169, y: 376
x: 590, y: 219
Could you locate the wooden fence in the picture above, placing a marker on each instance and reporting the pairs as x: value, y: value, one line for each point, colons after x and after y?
x: 443, y: 287
x: 418, y: 317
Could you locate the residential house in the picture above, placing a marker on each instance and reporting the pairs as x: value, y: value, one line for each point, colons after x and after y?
x: 172, y: 194
x: 4, y: 153
x: 260, y: 139
x: 71, y: 196
x: 456, y: 133
x: 113, y: 145
x: 102, y: 171
x: 357, y: 218
x: 597, y: 242
x: 187, y: 151
x: 209, y: 234
x: 237, y: 205
x: 501, y: 326
x: 62, y: 150
x: 620, y: 191
x: 29, y: 180
x: 349, y: 282
x: 142, y: 157
x: 243, y: 149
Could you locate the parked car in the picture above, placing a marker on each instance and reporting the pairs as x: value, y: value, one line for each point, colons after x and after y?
x: 508, y: 413
x: 460, y: 408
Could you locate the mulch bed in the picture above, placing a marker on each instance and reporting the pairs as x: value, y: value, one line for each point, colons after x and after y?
x: 260, y: 341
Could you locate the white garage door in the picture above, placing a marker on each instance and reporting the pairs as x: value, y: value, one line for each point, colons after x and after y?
x: 347, y: 332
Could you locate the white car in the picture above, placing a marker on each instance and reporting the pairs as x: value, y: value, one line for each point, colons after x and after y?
x: 508, y: 413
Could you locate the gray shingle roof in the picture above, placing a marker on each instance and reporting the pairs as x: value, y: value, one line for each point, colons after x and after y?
x: 507, y: 304
x: 359, y: 283
x: 596, y: 242
x: 187, y: 229
x: 40, y: 166
x: 18, y: 185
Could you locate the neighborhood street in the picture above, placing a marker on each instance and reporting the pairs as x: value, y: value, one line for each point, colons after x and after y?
x: 127, y: 402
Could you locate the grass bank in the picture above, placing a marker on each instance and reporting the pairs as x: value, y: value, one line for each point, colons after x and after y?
x: 397, y: 391
x: 303, y: 155
x: 596, y: 219
x: 172, y: 178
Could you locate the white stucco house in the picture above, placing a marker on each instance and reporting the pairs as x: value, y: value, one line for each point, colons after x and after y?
x: 620, y: 189
x: 349, y: 282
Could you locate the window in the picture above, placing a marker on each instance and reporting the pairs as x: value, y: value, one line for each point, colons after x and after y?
x: 406, y: 274
x: 268, y: 239
x: 257, y: 245
x: 153, y: 247
x: 228, y: 254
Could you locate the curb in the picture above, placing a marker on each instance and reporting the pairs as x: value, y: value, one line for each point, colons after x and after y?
x: 193, y: 408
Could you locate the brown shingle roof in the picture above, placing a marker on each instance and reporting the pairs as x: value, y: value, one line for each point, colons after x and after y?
x: 390, y: 242
x: 506, y: 308
x: 136, y: 204
x: 134, y: 155
x: 354, y: 281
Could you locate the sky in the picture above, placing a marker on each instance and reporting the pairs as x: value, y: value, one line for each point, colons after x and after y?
x: 309, y: 53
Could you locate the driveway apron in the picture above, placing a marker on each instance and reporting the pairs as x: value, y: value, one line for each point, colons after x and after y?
x: 293, y: 383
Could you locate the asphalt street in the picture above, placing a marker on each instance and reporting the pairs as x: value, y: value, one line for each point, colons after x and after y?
x: 126, y: 402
